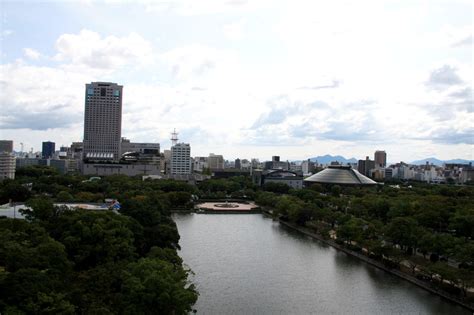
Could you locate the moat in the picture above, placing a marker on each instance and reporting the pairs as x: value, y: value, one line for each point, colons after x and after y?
x: 249, y: 264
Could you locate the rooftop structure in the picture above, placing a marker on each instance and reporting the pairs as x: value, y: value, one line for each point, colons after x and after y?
x: 340, y: 175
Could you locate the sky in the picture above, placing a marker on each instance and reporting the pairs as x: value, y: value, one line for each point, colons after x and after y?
x: 246, y: 79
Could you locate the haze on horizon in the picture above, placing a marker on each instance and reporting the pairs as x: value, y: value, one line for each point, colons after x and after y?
x: 247, y: 78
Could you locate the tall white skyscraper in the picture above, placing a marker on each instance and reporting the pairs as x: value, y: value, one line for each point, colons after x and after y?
x: 181, y: 159
x: 102, y: 121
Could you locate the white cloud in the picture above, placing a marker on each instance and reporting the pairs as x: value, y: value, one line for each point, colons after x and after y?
x: 5, y: 33
x: 234, y: 31
x: 31, y: 53
x: 89, y: 49
x: 203, y: 7
x: 198, y: 62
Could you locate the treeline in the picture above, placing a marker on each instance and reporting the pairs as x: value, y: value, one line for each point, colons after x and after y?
x: 46, y: 181
x: 92, y: 262
x: 428, y: 229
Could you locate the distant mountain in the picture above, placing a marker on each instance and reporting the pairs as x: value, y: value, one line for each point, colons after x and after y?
x: 438, y: 162
x: 327, y: 159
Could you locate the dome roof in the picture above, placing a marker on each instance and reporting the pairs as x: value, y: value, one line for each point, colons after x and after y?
x: 341, y: 175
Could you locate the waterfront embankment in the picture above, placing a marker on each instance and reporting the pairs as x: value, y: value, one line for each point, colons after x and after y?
x: 420, y: 283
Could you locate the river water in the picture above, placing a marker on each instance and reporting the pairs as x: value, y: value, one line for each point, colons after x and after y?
x: 250, y: 264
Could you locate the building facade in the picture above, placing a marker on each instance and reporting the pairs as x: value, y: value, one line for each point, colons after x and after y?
x: 181, y: 159
x: 380, y: 159
x: 215, y: 161
x: 6, y: 146
x: 102, y: 122
x: 120, y: 169
x: 48, y: 149
x: 7, y: 165
x: 365, y: 166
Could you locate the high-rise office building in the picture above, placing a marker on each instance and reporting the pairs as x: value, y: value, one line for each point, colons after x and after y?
x: 102, y: 121
x: 237, y: 164
x: 380, y: 158
x: 365, y: 166
x: 181, y: 159
x: 6, y: 146
x: 48, y: 149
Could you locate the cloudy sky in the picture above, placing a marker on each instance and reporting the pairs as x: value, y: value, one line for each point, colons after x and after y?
x: 247, y: 78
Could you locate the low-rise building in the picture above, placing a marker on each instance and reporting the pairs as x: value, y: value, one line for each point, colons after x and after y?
x: 289, y: 178
x: 132, y: 169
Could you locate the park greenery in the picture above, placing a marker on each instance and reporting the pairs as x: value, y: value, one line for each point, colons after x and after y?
x: 426, y: 230
x: 75, y: 261
x: 66, y: 261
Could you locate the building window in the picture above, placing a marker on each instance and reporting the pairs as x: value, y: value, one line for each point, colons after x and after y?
x: 103, y: 91
x: 90, y: 91
x: 116, y: 93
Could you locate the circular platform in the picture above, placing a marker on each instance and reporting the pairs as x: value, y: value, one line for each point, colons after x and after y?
x: 223, y: 206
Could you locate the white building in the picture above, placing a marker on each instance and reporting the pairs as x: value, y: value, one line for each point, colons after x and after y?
x: 181, y: 159
x: 200, y: 163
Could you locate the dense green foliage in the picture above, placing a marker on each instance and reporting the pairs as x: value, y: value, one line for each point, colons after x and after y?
x: 67, y: 261
x: 429, y: 227
x: 93, y: 262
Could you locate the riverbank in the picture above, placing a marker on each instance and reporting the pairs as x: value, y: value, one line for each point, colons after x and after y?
x: 375, y: 263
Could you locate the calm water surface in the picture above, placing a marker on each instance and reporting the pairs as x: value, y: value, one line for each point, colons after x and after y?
x: 249, y: 264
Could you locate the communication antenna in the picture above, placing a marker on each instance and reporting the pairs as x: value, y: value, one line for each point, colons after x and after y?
x: 174, y: 137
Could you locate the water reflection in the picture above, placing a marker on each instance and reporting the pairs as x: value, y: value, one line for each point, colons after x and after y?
x: 249, y: 264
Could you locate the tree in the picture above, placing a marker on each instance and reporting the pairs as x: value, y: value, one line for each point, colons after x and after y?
x: 336, y: 190
x: 279, y: 188
x: 403, y: 231
x: 289, y: 207
x: 13, y: 190
x: 463, y: 223
x: 36, y: 270
x: 153, y: 286
x: 93, y: 238
x: 39, y: 209
x: 352, y: 230
x: 64, y: 196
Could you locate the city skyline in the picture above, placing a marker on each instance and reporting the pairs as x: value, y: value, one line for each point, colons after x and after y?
x: 344, y: 79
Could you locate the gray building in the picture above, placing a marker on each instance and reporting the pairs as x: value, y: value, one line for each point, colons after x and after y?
x: 365, y: 166
x: 102, y: 122
x: 140, y: 147
x: 6, y: 146
x: 181, y: 159
x: 120, y: 169
x: 339, y: 175
x: 24, y: 162
x: 7, y: 165
x: 237, y: 164
x: 215, y: 161
x: 289, y: 178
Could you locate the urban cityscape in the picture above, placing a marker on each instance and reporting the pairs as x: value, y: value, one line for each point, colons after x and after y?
x: 236, y: 157
x: 104, y: 151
